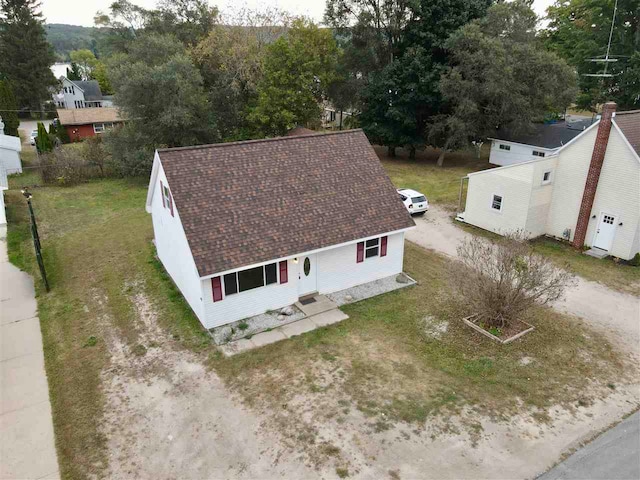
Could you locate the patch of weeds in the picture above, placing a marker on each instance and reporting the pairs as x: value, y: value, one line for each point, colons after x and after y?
x: 381, y: 425
x: 394, y: 474
x: 91, y: 342
x: 139, y: 350
x: 612, y: 386
x: 342, y: 472
x: 248, y: 337
x: 541, y: 416
x: 330, y: 450
x: 329, y: 357
x: 243, y: 325
x: 478, y: 368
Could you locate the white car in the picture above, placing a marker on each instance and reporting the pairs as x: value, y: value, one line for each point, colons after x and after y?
x: 415, y: 202
x: 33, y: 136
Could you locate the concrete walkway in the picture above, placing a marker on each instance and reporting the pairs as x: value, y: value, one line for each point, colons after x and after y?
x: 285, y: 331
x: 613, y: 455
x: 27, y: 447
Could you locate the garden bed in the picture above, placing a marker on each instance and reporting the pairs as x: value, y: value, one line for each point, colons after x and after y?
x: 505, y: 335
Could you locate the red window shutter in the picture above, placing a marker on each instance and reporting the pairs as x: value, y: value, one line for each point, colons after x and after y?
x: 383, y: 247
x: 360, y: 252
x: 171, y: 203
x: 162, y: 193
x: 216, y: 287
x: 284, y: 273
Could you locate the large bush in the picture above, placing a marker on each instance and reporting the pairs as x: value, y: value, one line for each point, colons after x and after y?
x: 500, y: 280
x: 67, y: 165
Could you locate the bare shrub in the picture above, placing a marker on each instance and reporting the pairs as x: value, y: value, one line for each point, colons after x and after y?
x: 65, y: 165
x: 501, y: 279
x: 94, y: 153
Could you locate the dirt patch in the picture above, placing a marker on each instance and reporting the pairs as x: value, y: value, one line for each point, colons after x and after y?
x: 167, y: 416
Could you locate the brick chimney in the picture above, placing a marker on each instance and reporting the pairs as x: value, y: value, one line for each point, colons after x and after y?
x: 591, y: 185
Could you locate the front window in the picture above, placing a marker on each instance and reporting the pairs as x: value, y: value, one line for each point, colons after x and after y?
x: 371, y: 248
x: 546, y: 177
x: 496, y: 203
x: 98, y: 127
x: 251, y: 278
x: 505, y: 147
x: 537, y: 153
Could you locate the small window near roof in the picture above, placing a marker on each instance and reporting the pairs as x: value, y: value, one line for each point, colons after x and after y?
x: 167, y: 197
x: 538, y: 153
x: 505, y: 147
x: 371, y: 248
x: 546, y: 177
x: 496, y: 203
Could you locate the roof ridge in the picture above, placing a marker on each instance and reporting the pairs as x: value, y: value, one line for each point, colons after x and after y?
x: 627, y: 112
x: 257, y: 140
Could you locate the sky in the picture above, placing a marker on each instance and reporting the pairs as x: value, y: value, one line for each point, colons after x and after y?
x: 75, y: 12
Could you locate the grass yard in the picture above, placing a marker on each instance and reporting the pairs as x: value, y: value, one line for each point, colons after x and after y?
x: 402, y: 358
x: 441, y: 185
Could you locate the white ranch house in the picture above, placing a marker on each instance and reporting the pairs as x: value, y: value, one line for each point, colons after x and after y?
x: 588, y: 192
x: 247, y: 227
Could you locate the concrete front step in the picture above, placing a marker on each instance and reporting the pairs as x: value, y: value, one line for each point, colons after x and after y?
x: 597, y: 253
x: 289, y: 330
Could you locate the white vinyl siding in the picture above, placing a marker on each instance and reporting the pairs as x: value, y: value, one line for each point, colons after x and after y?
x: 337, y: 269
x: 517, y: 153
x: 173, y: 249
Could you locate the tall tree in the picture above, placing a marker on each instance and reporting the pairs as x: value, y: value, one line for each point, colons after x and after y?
x: 73, y: 73
x: 401, y: 99
x: 502, y: 77
x: 159, y: 90
x: 25, y: 55
x: 8, y: 107
x: 579, y: 32
x: 298, y: 70
x: 85, y: 61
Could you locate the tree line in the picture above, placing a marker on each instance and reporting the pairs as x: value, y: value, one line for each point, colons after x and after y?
x: 414, y: 73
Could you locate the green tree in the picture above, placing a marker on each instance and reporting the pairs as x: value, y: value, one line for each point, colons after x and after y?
x: 99, y: 73
x: 578, y: 31
x: 73, y: 73
x: 298, y: 69
x: 159, y: 90
x: 43, y: 141
x: 85, y: 61
x: 25, y: 55
x: 8, y: 107
x: 502, y: 77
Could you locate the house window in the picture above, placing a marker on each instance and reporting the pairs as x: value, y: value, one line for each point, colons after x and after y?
x: 505, y: 147
x: 102, y: 127
x: 496, y: 203
x: 537, y: 153
x: 251, y: 278
x: 166, y: 195
x: 546, y: 177
x: 371, y: 248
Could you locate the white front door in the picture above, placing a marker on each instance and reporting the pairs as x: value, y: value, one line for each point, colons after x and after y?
x: 605, y: 232
x: 307, y: 275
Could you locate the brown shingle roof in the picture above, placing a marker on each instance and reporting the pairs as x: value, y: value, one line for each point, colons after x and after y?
x: 249, y: 202
x: 85, y: 116
x: 629, y: 123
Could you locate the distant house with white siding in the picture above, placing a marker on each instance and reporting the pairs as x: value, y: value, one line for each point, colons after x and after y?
x: 79, y: 94
x: 247, y: 227
x: 543, y: 140
x: 588, y: 192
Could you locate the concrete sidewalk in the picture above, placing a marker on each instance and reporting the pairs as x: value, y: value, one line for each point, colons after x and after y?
x: 27, y: 447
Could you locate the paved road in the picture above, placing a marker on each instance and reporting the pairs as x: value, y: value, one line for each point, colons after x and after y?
x: 27, y: 449
x: 613, y: 455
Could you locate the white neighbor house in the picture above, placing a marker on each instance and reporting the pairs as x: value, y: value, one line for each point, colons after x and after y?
x: 79, y: 94
x: 587, y: 193
x: 542, y: 141
x: 251, y: 226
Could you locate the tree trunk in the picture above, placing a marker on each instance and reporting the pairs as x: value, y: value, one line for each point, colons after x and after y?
x: 441, y: 158
x: 340, y: 119
x: 412, y: 152
x: 391, y: 151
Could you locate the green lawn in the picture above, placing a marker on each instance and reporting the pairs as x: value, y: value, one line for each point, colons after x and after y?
x: 441, y: 185
x: 388, y: 361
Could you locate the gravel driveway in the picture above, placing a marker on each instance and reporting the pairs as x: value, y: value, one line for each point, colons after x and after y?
x: 618, y: 314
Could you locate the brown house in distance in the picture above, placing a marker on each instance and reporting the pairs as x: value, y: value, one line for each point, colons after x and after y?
x: 88, y: 122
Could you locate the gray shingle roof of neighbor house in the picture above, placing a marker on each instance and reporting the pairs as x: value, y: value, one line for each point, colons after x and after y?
x: 629, y: 123
x: 552, y: 135
x: 91, y: 89
x: 249, y: 202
